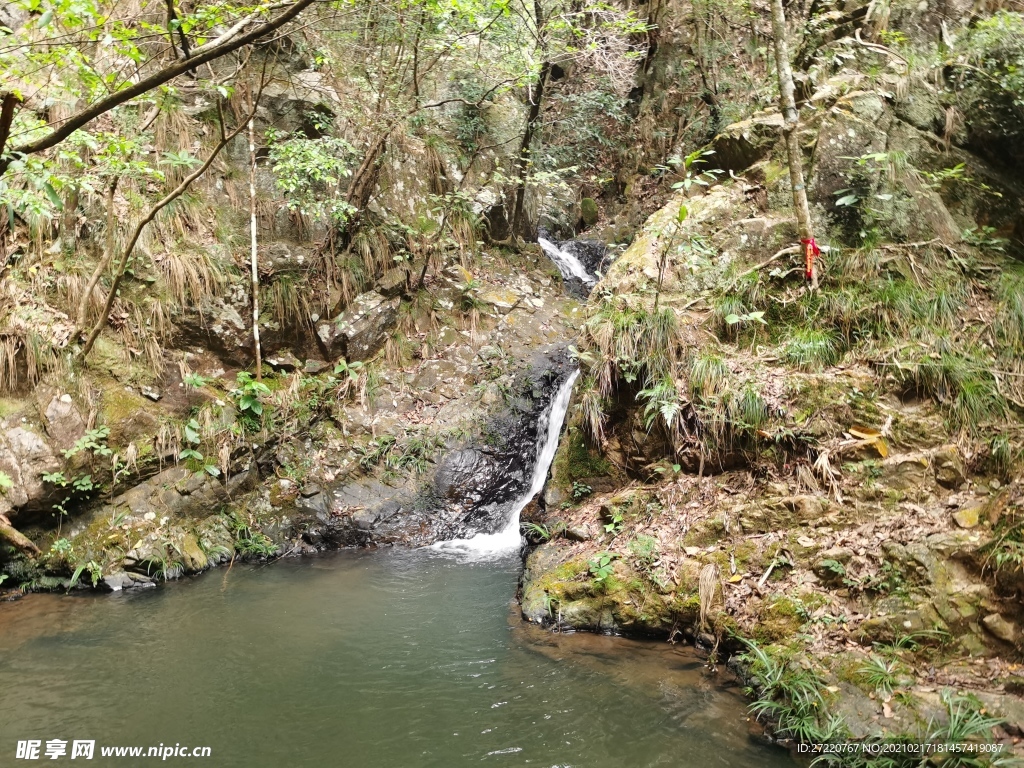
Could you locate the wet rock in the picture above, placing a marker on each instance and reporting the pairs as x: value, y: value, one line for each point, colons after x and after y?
x: 464, y: 475
x: 314, y: 504
x: 1001, y: 628
x: 313, y: 367
x: 115, y: 582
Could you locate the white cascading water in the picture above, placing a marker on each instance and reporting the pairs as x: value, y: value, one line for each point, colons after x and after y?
x: 566, y: 262
x: 549, y: 427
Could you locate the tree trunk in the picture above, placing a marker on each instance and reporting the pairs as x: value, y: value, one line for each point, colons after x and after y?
x: 16, y: 537
x: 253, y: 254
x: 519, y: 222
x: 791, y: 124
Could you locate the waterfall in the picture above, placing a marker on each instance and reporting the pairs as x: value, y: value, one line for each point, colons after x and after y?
x: 567, y: 263
x: 549, y: 427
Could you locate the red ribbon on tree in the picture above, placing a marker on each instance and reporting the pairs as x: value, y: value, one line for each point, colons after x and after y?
x: 811, y: 252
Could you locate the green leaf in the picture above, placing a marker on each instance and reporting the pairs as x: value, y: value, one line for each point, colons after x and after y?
x: 54, y: 198
x: 847, y: 200
x: 732, y: 319
x: 682, y: 214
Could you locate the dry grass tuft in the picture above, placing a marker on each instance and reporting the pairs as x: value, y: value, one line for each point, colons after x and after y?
x: 190, y: 277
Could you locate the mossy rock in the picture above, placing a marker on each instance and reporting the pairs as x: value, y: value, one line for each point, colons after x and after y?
x: 589, y: 213
x: 780, y: 618
x: 575, y: 461
x: 705, y: 532
x: 128, y: 414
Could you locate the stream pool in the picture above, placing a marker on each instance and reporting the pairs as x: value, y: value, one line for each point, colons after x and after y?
x: 388, y: 659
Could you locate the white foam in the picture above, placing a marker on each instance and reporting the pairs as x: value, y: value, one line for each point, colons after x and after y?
x: 566, y: 262
x: 549, y: 427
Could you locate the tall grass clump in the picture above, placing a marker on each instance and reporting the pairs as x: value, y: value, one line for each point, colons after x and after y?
x: 811, y: 349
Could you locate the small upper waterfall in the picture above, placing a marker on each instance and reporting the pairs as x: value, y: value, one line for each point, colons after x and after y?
x: 567, y: 263
x: 549, y: 427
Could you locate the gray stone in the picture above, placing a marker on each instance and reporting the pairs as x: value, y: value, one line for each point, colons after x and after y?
x: 115, y: 582
x: 64, y: 423
x: 742, y: 144
x: 315, y: 505
x: 392, y: 283
x: 152, y: 393
x: 284, y: 360
x: 1001, y: 628
x: 282, y: 258
x: 362, y: 329
x: 364, y: 519
x: 949, y: 468
x: 25, y: 456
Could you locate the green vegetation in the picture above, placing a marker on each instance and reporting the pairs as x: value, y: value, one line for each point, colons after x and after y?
x: 602, y: 566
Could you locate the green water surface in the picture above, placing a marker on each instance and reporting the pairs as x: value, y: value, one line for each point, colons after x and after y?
x: 391, y: 659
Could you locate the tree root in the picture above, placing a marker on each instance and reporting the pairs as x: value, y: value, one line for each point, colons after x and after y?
x: 16, y: 537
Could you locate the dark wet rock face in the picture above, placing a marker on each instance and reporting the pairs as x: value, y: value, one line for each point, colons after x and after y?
x: 472, y: 490
x: 593, y: 255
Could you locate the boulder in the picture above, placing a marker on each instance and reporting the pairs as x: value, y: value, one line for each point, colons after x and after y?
x: 24, y: 457
x: 361, y: 330
x: 392, y: 283
x: 588, y: 212
x: 285, y: 360
x: 968, y: 516
x: 64, y: 422
x: 742, y: 144
x: 1001, y: 628
x: 283, y: 258
x: 949, y: 467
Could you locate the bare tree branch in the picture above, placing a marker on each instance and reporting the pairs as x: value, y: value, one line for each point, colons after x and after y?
x: 141, y: 225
